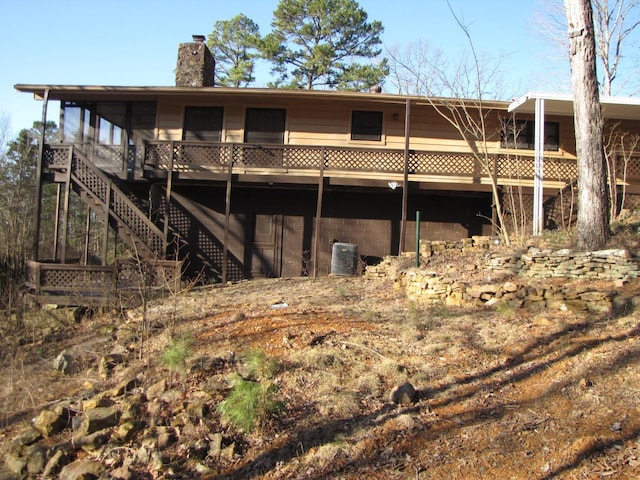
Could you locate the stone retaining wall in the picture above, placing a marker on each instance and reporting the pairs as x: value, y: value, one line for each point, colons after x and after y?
x: 425, y: 287
x: 534, y: 279
x: 614, y: 264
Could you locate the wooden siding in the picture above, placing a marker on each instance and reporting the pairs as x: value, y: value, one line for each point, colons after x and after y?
x: 319, y: 122
x: 327, y: 123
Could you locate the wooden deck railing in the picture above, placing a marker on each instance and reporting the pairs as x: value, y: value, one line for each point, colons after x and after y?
x: 195, y: 156
x: 100, y: 187
x: 74, y: 284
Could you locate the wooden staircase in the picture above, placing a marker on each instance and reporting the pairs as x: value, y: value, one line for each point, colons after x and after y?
x: 121, y: 282
x: 97, y: 190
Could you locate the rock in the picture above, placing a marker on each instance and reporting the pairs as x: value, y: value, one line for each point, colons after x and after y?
x: 98, y: 419
x: 125, y: 431
x: 99, y: 401
x: 63, y: 362
x: 228, y: 452
x: 122, y: 473
x: 199, y: 448
x: 15, y: 463
x: 49, y: 423
x: 53, y: 465
x: 197, y: 410
x: 166, y: 437
x: 132, y: 406
x: 82, y: 470
x: 403, y: 394
x: 156, y: 390
x: 126, y: 334
x: 37, y: 459
x: 108, y: 363
x: 215, y: 446
x: 91, y: 442
x: 29, y: 436
x: 156, y: 464
x: 123, y: 387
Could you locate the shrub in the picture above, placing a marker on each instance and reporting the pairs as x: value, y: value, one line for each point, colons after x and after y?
x: 176, y: 354
x: 259, y: 365
x: 252, y: 400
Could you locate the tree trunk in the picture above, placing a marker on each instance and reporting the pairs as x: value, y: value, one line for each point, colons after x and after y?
x: 592, y: 222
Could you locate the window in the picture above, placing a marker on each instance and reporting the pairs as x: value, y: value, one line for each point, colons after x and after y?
x: 202, y: 124
x: 366, y: 125
x: 264, y: 125
x: 76, y: 122
x: 143, y: 122
x: 111, y: 120
x: 521, y: 134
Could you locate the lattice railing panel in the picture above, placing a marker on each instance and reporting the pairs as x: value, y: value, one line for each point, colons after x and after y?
x: 515, y: 166
x: 633, y: 167
x: 156, y: 274
x: 302, y: 157
x: 158, y: 155
x: 120, y: 206
x: 108, y: 157
x: 258, y: 156
x: 190, y: 156
x: 433, y: 163
x: 55, y: 155
x: 560, y: 169
x: 364, y: 160
x: 138, y: 224
x: 76, y: 279
x: 90, y: 179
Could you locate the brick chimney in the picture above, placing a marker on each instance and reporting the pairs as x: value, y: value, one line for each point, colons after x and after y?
x: 195, y: 64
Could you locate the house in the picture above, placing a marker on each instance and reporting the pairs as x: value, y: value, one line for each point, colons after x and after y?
x: 246, y: 183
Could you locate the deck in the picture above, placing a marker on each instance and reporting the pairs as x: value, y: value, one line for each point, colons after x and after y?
x: 202, y: 161
x: 122, y: 284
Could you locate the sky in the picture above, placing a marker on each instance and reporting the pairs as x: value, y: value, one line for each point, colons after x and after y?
x: 134, y: 42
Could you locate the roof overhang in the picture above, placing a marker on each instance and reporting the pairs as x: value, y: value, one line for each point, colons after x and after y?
x: 622, y: 108
x: 91, y: 92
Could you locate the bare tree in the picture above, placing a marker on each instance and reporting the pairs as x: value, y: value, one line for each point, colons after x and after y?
x: 458, y: 90
x: 614, y: 22
x: 410, y: 68
x: 593, y: 219
x: 615, y: 29
x: 620, y: 147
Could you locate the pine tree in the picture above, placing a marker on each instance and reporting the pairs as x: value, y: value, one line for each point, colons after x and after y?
x: 326, y: 44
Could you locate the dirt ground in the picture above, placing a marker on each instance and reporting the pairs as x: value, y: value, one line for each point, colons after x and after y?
x: 503, y: 394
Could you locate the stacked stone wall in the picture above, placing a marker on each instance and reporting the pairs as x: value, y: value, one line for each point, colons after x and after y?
x: 533, y: 278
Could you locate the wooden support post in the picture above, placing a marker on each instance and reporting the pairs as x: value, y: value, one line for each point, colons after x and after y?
x: 316, y: 229
x: 65, y: 207
x: 167, y: 203
x: 38, y: 192
x: 227, y: 217
x: 494, y: 207
x: 56, y: 225
x: 405, y: 179
x: 87, y: 227
x: 105, y: 227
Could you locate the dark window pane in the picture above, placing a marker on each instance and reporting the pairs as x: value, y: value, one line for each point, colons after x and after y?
x: 72, y: 131
x: 366, y: 125
x: 202, y: 124
x: 521, y: 134
x: 264, y: 125
x: 551, y: 136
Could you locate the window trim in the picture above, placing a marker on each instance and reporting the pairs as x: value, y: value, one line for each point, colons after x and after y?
x: 191, y: 135
x: 509, y: 140
x: 284, y: 132
x: 377, y: 136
